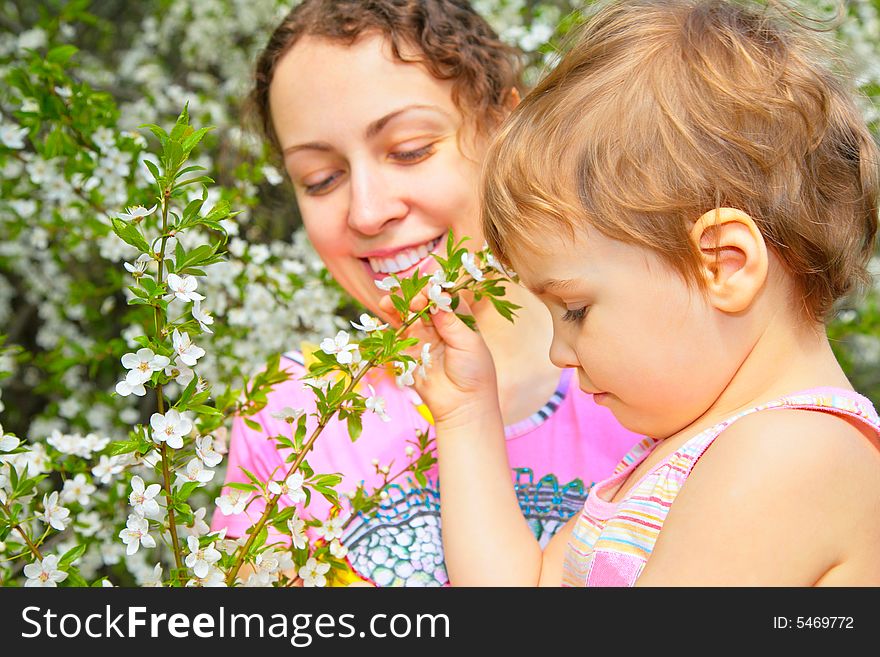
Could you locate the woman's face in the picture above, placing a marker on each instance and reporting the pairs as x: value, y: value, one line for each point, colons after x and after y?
x: 371, y: 145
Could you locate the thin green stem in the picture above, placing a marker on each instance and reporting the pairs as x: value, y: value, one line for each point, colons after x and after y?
x: 33, y: 548
x: 166, y: 475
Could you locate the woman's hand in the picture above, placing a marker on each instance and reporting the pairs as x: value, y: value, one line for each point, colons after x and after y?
x: 461, y: 379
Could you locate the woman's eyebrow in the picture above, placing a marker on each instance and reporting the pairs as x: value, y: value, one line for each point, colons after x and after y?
x: 374, y: 128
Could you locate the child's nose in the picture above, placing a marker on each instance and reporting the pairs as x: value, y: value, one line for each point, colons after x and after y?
x: 373, y: 203
x: 561, y: 354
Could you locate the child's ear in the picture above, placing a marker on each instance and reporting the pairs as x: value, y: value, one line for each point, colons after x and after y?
x: 734, y: 257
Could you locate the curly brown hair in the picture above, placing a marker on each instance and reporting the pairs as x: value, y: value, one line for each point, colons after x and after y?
x: 453, y: 42
x: 665, y: 109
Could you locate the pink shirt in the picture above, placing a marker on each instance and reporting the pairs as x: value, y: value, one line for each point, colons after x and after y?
x: 555, y: 456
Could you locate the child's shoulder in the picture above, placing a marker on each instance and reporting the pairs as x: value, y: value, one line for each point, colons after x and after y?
x: 780, y: 498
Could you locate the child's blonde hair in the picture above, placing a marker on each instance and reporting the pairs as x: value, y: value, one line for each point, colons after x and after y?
x: 665, y: 109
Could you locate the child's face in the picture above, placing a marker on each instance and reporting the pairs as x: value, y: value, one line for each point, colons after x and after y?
x: 371, y: 145
x: 649, y: 347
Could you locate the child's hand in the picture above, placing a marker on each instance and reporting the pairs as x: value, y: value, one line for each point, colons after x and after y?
x: 461, y: 378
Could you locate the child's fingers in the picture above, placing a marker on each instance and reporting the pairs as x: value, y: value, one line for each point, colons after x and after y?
x: 454, y: 332
x: 390, y: 313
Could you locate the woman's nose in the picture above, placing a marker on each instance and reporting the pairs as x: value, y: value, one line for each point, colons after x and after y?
x: 374, y: 202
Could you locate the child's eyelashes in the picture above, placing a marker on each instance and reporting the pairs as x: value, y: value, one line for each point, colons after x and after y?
x: 574, y: 315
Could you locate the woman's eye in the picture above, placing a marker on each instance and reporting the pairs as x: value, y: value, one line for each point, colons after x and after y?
x: 575, y: 315
x: 413, y: 155
x: 323, y: 185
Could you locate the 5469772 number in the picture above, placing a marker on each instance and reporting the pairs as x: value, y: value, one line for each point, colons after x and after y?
x: 824, y: 622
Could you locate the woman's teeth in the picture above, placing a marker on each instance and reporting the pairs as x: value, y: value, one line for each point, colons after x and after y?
x: 404, y: 259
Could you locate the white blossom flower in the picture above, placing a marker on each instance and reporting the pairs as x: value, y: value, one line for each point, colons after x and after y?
x: 180, y: 372
x: 273, y: 177
x: 184, y: 287
x: 189, y: 353
x: 142, y: 499
x: 139, y: 266
x: 288, y: 414
x: 233, y: 502
x: 45, y: 572
x: 124, y: 389
x: 339, y: 346
x: 205, y: 451
x: 200, y: 559
x: 388, y: 283
x: 107, y: 467
x: 104, y: 138
x: 142, y: 365
x: 199, y: 526
x: 78, y: 489
x: 469, y: 262
x: 409, y: 451
x: 404, y: 373
x: 136, y: 533
x: 170, y: 428
x: 369, y: 324
x: 439, y: 278
x: 195, y: 471
x: 88, y: 523
x: 297, y: 527
x: 53, y: 514
x: 425, y: 360
x: 64, y: 92
x: 292, y: 487
x: 152, y: 579
x: 203, y: 317
x: 321, y: 384
x: 213, y: 578
x: 492, y: 261
x: 137, y: 212
x: 312, y: 573
x: 12, y: 136
x: 441, y: 300
x: 332, y: 528
x: 377, y: 405
x: 8, y: 442
x: 337, y: 549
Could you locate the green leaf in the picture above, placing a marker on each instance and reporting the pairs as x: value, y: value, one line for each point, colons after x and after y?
x: 186, y: 490
x: 154, y: 170
x: 129, y: 234
x: 72, y: 555
x: 192, y: 140
x: 241, y: 486
x: 75, y: 579
x: 355, y: 427
x: 250, y: 475
x: 61, y: 54
x: 161, y: 135
x: 122, y: 447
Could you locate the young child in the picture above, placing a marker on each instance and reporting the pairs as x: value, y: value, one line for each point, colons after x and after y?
x: 688, y: 193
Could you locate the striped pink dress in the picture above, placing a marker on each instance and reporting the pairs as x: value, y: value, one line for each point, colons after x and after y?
x: 612, y: 542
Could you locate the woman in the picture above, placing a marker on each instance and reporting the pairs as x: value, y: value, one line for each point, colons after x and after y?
x: 381, y: 112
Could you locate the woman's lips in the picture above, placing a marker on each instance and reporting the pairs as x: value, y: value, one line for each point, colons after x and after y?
x: 425, y: 265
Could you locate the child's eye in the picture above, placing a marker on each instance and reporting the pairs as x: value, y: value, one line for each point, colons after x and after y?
x: 322, y: 186
x: 414, y: 155
x: 575, y: 315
